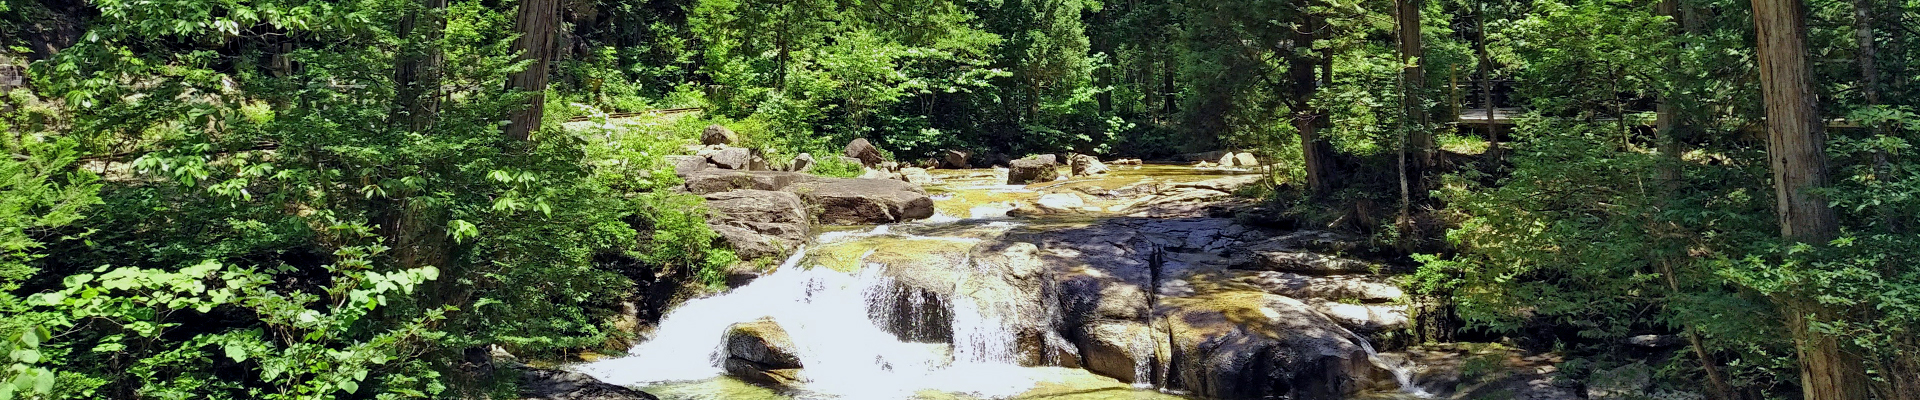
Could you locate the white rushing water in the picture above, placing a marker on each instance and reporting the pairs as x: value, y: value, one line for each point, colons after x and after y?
x: 829, y: 317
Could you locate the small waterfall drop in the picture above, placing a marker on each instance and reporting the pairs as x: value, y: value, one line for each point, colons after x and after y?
x: 831, y: 318
x: 1402, y: 371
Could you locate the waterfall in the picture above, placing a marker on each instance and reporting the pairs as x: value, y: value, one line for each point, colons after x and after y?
x: 846, y: 351
x: 1402, y: 371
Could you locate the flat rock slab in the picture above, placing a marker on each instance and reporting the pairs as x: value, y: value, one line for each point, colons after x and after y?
x: 864, y: 201
x: 720, y: 180
x: 548, y: 384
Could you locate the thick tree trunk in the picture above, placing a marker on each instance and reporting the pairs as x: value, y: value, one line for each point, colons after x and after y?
x: 1316, y: 153
x: 1795, y: 138
x: 1486, y: 80
x: 416, y: 75
x: 537, y: 22
x: 1870, y: 88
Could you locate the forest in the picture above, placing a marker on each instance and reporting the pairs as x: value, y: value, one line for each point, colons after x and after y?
x: 350, y: 199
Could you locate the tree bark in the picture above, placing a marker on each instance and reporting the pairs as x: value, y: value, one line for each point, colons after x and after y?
x: 1486, y: 80
x: 1413, y: 53
x: 1316, y: 153
x: 1795, y: 136
x: 537, y: 22
x: 1870, y: 88
x: 416, y: 75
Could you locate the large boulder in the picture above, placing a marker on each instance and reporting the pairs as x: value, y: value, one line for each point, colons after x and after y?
x: 1245, y: 160
x: 720, y: 180
x: 1086, y: 165
x: 1363, y: 288
x: 1364, y: 317
x: 863, y: 150
x: 716, y: 134
x: 1121, y: 349
x: 732, y: 158
x: 548, y: 384
x: 865, y: 201
x: 1030, y: 170
x: 760, y: 351
x: 759, y: 223
x: 801, y: 163
x: 955, y: 159
x: 1244, y: 345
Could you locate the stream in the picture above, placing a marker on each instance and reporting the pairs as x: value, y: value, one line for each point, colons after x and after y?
x: 918, y: 311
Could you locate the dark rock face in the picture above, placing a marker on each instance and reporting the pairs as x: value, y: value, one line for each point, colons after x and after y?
x: 955, y: 159
x: 1027, y: 170
x: 865, y: 201
x: 547, y: 384
x: 716, y: 134
x: 801, y: 163
x: 760, y: 352
x: 863, y: 150
x: 1254, y: 345
x: 717, y: 180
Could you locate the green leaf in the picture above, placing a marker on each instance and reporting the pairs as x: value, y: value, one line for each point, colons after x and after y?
x: 236, y: 351
x: 350, y: 386
x: 44, y: 384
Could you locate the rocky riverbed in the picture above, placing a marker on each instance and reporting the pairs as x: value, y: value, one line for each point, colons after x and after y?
x: 1139, y: 282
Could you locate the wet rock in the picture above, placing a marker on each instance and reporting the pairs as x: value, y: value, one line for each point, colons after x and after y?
x: 1227, y: 184
x: 548, y: 384
x: 1122, y: 350
x: 1365, y: 288
x: 761, y: 352
x: 683, y: 165
x: 801, y: 163
x: 1202, y: 156
x: 732, y: 158
x: 719, y: 180
x: 1086, y: 165
x: 1060, y: 202
x: 956, y: 159
x: 917, y: 176
x: 1256, y: 345
x: 864, y: 151
x: 716, y: 134
x: 1309, y: 240
x: 865, y: 201
x: 1364, y: 318
x: 1028, y: 170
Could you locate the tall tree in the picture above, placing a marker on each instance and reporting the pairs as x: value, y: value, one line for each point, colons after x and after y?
x: 536, y: 22
x: 1795, y: 137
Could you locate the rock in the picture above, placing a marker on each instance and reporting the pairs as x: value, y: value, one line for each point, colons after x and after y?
x: 1027, y: 170
x: 1203, y: 156
x: 1058, y: 202
x: 720, y: 180
x: 865, y: 201
x: 801, y: 163
x: 1121, y: 350
x: 996, y: 160
x: 758, y: 164
x: 1127, y: 161
x: 1227, y: 184
x: 917, y: 176
x: 861, y: 149
x: 1010, y: 287
x: 1364, y: 318
x: 1227, y: 160
x: 1086, y: 165
x: 759, y: 223
x: 732, y: 158
x: 1316, y: 241
x: 888, y: 166
x: 1307, y: 263
x: 1238, y: 345
x: 1365, y: 288
x: 1654, y: 341
x: 760, y: 352
x: 955, y: 159
x: 1245, y: 160
x: 683, y: 165
x: 1046, y: 158
x: 716, y: 134
x: 548, y: 384
x: 1629, y: 381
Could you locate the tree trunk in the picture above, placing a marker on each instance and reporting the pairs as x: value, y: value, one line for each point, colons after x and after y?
x: 1795, y: 136
x: 1316, y: 153
x: 416, y: 75
x: 1486, y: 80
x: 1413, y: 53
x: 536, y: 22
x: 1870, y: 88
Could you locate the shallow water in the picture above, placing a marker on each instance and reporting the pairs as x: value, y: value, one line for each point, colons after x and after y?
x: 824, y: 299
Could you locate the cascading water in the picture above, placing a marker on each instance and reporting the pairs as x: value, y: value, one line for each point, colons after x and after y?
x: 829, y: 315
x: 1402, y: 371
